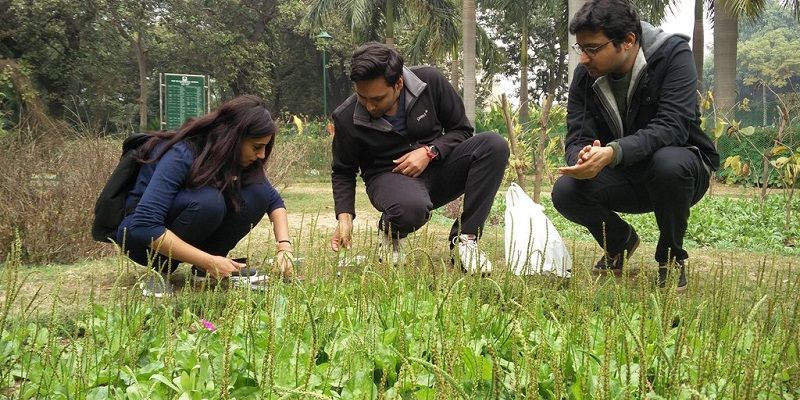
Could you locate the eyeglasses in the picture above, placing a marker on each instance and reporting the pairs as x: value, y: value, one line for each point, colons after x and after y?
x: 589, y: 51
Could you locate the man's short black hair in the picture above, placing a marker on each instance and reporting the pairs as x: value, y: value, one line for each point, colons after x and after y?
x: 373, y: 59
x: 615, y: 18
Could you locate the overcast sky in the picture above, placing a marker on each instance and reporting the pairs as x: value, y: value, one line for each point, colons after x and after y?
x: 682, y: 20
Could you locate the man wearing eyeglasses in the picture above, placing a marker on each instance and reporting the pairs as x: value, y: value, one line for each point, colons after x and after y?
x: 634, y: 143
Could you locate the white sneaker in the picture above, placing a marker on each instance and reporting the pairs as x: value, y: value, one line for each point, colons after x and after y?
x: 156, y: 285
x: 397, y: 255
x: 473, y: 260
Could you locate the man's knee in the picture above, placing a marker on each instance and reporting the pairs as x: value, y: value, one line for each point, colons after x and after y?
x: 495, y: 145
x: 564, y: 194
x: 672, y: 165
x: 408, y: 214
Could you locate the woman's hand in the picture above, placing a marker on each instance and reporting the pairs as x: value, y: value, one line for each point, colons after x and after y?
x: 221, y: 267
x: 284, y: 264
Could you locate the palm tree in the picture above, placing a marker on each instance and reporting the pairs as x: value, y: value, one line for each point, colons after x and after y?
x: 438, y: 18
x: 468, y: 25
x: 698, y: 41
x: 726, y: 14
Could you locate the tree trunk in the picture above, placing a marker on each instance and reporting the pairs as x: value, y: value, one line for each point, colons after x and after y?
x: 698, y: 42
x: 726, y: 34
x: 141, y: 61
x: 524, y: 104
x: 540, y: 161
x: 455, y: 68
x: 468, y: 25
x: 573, y: 6
x: 764, y: 103
x: 389, y: 23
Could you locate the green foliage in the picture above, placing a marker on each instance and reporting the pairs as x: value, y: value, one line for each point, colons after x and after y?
x: 717, y: 222
x: 84, y: 66
x: 397, y: 333
x: 758, y: 54
x: 528, y: 135
x: 746, y: 150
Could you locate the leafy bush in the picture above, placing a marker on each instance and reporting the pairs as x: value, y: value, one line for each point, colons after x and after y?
x: 719, y: 222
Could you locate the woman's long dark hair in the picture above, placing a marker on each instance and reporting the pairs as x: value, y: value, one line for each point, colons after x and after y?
x: 215, y: 140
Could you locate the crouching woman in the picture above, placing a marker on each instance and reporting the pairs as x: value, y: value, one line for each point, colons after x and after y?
x: 200, y: 190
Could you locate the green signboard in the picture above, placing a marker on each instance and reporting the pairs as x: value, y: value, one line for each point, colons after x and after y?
x: 183, y: 96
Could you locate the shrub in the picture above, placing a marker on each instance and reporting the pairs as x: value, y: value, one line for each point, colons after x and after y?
x: 47, y: 193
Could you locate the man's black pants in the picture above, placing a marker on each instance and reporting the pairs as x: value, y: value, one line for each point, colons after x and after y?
x: 474, y: 168
x: 668, y: 184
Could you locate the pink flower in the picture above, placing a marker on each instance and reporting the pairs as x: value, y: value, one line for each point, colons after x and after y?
x: 208, y: 325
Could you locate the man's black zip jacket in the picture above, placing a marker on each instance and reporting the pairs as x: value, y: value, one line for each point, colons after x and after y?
x: 434, y: 116
x: 663, y: 109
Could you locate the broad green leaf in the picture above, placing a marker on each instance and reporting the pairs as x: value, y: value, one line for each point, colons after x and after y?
x: 748, y: 130
x: 163, y: 379
x: 719, y: 128
x: 778, y: 150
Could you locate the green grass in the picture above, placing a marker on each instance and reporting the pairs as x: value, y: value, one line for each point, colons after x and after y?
x: 418, y: 331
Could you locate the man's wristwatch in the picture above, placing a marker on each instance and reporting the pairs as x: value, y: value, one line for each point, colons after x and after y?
x: 432, y: 153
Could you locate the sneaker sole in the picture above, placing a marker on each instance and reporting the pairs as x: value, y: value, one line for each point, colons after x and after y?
x: 158, y: 295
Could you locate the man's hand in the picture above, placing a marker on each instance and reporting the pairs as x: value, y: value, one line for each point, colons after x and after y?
x: 343, y: 235
x: 412, y: 163
x: 222, y: 267
x: 591, y: 160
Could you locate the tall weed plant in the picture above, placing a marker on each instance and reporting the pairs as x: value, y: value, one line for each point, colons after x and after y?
x: 421, y: 330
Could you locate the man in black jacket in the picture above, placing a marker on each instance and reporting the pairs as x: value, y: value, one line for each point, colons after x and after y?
x: 406, y: 131
x: 634, y: 142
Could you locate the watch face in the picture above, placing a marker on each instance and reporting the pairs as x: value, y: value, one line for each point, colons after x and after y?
x: 432, y: 152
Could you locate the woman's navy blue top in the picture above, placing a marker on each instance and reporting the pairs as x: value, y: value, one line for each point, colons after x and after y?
x: 156, y: 187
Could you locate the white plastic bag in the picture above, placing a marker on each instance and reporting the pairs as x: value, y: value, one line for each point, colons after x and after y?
x: 533, y: 246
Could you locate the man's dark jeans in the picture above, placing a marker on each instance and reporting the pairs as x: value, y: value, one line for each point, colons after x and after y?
x: 668, y: 184
x: 475, y: 168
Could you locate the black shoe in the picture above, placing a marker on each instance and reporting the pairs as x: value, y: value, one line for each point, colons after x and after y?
x: 200, y: 275
x: 665, y: 271
x: 613, y: 263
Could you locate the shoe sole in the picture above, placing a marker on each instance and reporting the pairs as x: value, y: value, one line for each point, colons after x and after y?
x: 149, y: 293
